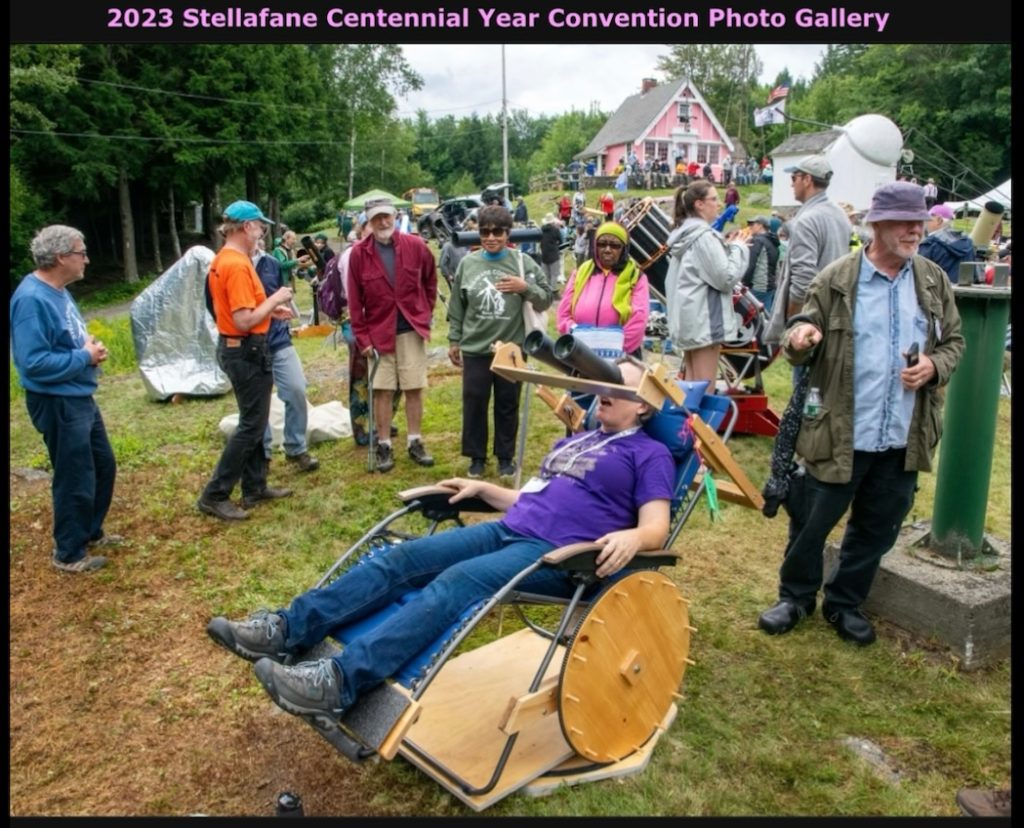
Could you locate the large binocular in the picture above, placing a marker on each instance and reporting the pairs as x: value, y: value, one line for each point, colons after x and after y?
x: 314, y: 253
x: 570, y: 356
x: 466, y: 238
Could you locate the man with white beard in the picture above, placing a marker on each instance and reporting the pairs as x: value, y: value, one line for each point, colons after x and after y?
x: 392, y: 284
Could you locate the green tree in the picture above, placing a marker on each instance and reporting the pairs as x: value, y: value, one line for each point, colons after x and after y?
x: 362, y: 82
x: 26, y: 217
x: 34, y: 70
x: 566, y: 137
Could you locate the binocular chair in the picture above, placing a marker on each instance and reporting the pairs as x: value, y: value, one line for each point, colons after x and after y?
x: 582, y: 690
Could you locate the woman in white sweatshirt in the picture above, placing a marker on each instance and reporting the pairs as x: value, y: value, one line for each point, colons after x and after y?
x: 703, y: 271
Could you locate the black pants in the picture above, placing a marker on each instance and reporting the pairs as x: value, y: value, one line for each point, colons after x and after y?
x: 879, y: 494
x: 249, y: 368
x: 477, y: 382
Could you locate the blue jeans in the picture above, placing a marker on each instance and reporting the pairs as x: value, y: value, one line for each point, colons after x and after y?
x: 84, y: 469
x: 879, y: 495
x: 291, y: 389
x: 766, y: 298
x: 453, y: 570
x: 249, y: 368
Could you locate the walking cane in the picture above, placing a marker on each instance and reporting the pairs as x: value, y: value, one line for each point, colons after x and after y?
x: 371, y: 458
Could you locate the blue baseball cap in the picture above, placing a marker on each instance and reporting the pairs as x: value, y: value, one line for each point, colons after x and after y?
x: 245, y: 211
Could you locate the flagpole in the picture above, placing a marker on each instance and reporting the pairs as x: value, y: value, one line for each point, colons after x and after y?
x: 504, y: 123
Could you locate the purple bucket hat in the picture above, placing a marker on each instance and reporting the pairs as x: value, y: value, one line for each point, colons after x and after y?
x: 898, y: 201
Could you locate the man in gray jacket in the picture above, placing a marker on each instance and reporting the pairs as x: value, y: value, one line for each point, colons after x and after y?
x: 880, y: 326
x: 819, y: 234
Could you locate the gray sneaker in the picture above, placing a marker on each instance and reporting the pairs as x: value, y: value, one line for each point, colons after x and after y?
x: 223, y: 509
x: 304, y: 462
x: 385, y: 457
x: 259, y: 636
x: 312, y: 688
x: 418, y: 452
x: 90, y: 563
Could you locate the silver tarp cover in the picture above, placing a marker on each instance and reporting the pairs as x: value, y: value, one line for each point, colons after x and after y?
x: 175, y: 337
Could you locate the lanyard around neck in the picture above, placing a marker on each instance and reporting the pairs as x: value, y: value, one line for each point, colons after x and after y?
x: 552, y: 465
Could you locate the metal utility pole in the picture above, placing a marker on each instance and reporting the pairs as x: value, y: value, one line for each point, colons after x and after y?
x: 504, y: 123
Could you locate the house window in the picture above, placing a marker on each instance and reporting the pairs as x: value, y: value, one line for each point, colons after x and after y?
x: 708, y: 153
x: 656, y: 150
x: 684, y: 112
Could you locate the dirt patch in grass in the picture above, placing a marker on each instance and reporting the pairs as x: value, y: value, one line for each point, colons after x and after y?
x: 120, y: 705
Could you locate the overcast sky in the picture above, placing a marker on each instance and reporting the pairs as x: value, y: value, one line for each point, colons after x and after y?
x: 549, y: 80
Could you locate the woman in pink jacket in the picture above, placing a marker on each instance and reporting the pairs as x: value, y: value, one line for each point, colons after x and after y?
x: 607, y: 293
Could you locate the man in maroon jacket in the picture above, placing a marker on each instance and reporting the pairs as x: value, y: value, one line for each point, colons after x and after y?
x: 392, y: 282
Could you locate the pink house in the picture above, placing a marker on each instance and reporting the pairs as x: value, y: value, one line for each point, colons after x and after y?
x: 664, y: 122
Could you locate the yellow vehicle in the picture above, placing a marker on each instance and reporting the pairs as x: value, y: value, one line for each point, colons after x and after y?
x: 424, y: 200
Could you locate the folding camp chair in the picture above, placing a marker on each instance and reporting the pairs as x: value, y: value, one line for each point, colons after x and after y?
x: 582, y: 698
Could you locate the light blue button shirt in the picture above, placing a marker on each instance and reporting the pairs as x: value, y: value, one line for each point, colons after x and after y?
x: 887, y: 320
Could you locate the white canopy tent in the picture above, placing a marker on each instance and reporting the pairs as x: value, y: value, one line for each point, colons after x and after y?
x: 974, y: 205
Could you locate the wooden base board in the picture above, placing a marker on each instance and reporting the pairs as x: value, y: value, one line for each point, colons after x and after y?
x: 632, y: 764
x: 462, y: 710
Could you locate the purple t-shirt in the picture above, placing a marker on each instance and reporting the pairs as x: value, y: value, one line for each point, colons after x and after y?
x: 596, y: 483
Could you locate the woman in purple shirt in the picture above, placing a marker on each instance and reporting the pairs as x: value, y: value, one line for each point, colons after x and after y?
x: 613, y: 484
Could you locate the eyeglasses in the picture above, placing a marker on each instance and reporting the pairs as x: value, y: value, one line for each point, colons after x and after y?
x: 83, y: 253
x: 492, y: 231
x: 796, y: 175
x: 611, y: 245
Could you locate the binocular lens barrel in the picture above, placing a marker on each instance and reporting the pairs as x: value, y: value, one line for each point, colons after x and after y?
x: 540, y: 345
x: 584, y: 361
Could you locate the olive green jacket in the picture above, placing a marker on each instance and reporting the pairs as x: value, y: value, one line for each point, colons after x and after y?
x: 826, y: 442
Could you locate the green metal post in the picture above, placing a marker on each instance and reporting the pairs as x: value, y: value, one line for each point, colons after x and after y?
x: 969, y: 427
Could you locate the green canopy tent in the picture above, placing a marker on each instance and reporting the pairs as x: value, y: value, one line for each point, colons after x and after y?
x: 358, y: 201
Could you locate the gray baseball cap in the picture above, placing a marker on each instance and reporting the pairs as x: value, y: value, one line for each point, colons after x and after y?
x: 814, y: 165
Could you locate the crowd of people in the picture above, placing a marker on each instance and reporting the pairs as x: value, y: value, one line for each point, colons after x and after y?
x: 390, y: 284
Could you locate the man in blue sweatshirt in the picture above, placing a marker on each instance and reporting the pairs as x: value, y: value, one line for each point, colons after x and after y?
x: 57, y: 362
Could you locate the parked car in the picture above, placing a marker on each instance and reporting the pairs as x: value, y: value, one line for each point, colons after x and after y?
x: 448, y: 217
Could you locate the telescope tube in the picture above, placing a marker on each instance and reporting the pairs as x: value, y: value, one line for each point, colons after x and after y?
x: 466, y: 238
x: 986, y: 224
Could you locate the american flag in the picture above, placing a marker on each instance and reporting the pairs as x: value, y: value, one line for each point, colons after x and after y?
x: 778, y: 92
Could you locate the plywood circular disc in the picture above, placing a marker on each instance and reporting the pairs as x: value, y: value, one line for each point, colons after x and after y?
x: 624, y: 667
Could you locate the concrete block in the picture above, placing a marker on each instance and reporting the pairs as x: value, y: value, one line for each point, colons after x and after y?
x: 966, y: 607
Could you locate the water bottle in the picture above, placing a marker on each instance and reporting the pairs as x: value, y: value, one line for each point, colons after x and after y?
x: 289, y: 805
x: 812, y: 403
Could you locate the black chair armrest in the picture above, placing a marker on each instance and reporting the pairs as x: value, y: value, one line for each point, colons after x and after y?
x: 581, y: 557
x: 432, y: 501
